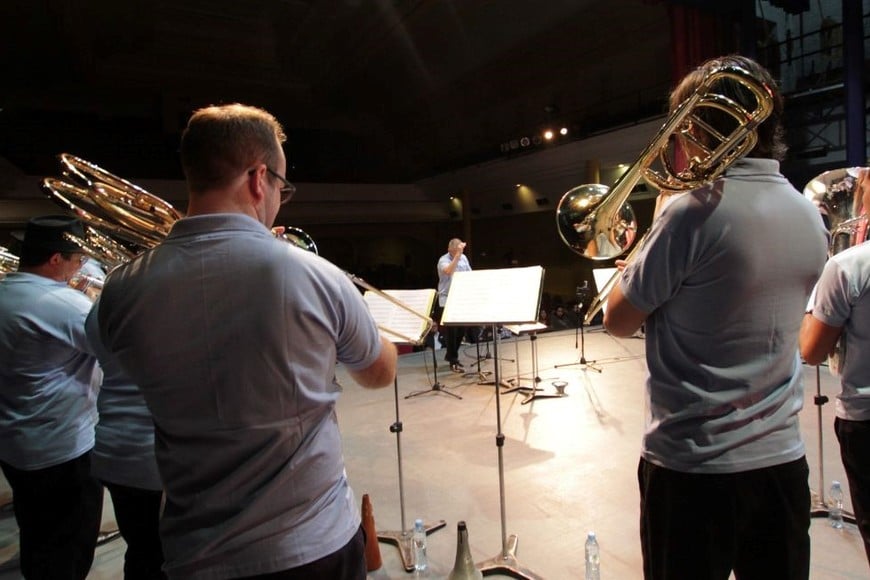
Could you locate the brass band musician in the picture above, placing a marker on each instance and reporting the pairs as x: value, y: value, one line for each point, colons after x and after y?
x: 720, y: 286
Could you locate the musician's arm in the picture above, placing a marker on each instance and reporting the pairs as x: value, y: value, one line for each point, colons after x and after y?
x: 382, y: 371
x: 621, y: 317
x: 817, y: 339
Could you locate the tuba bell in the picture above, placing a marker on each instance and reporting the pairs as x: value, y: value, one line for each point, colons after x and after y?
x: 121, y: 219
x: 598, y: 223
x: 837, y: 196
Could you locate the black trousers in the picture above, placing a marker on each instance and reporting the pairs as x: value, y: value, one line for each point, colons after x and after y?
x: 854, y: 438
x: 58, y: 510
x: 137, y: 512
x: 702, y: 526
x: 346, y: 563
x: 452, y: 337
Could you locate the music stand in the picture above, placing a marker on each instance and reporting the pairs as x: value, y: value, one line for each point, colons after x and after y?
x: 508, y: 296
x: 583, y: 299
x: 397, y: 313
x: 436, y: 386
x: 819, y: 508
x: 532, y: 391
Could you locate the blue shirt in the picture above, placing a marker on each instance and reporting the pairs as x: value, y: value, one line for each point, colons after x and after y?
x: 725, y: 274
x: 124, y: 447
x: 444, y: 279
x: 49, y: 375
x: 233, y: 336
x: 842, y: 298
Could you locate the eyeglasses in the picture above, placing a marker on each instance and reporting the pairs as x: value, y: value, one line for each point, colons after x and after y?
x: 81, y: 258
x: 287, y: 189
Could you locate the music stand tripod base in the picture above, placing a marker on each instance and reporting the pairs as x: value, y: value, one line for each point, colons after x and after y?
x: 404, y: 542
x: 436, y: 387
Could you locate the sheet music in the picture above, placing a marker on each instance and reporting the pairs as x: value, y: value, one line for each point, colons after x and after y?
x: 602, y: 277
x: 506, y: 296
x: 521, y: 328
x: 398, y: 324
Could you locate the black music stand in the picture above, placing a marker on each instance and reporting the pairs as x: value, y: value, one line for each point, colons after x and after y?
x: 509, y: 296
x: 583, y: 298
x: 480, y: 373
x: 532, y: 391
x: 436, y: 386
x: 398, y: 321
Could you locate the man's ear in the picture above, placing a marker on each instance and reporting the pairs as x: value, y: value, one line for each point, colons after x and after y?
x: 55, y: 259
x: 256, y: 183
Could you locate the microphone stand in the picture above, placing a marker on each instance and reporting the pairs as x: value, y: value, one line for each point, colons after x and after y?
x: 582, y: 298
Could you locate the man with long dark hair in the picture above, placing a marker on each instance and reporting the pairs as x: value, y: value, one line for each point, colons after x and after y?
x: 721, y: 285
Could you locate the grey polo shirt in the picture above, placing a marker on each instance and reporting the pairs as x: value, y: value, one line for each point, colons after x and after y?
x: 233, y: 337
x: 725, y: 274
x: 842, y: 298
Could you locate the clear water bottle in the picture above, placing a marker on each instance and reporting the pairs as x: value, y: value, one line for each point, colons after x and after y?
x: 593, y: 558
x: 421, y: 564
x: 835, y: 516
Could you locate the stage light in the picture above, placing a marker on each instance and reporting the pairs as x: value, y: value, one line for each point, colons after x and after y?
x: 548, y: 135
x: 563, y: 131
x: 525, y: 142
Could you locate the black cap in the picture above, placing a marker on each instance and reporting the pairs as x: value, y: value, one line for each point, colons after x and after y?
x: 49, y: 233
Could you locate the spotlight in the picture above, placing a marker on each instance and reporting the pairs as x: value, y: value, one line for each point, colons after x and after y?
x: 548, y: 135
x: 525, y: 142
x: 563, y: 131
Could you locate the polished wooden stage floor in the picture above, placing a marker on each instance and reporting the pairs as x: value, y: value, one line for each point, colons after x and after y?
x: 569, y: 462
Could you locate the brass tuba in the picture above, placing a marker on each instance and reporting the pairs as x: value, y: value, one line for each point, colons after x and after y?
x: 121, y: 219
x: 598, y: 223
x: 838, y: 195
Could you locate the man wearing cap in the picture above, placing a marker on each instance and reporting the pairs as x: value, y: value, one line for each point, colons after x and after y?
x: 48, y: 384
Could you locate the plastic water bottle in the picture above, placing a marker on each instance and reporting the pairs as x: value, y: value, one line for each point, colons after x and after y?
x: 593, y: 558
x: 835, y: 516
x: 421, y: 564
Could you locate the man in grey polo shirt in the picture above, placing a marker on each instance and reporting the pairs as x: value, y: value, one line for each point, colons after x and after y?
x: 840, y: 313
x: 49, y: 379
x: 233, y: 336
x: 721, y: 285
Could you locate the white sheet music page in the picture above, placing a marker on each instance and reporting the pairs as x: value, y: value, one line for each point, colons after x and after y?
x: 521, y: 328
x: 396, y: 323
x: 602, y: 276
x: 505, y: 296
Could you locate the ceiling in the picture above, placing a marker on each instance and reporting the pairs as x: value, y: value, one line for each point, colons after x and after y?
x: 369, y: 91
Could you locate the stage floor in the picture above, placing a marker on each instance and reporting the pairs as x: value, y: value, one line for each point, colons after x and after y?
x: 569, y: 462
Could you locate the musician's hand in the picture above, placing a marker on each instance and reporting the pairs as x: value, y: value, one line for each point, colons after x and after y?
x: 620, y: 265
x: 278, y: 230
